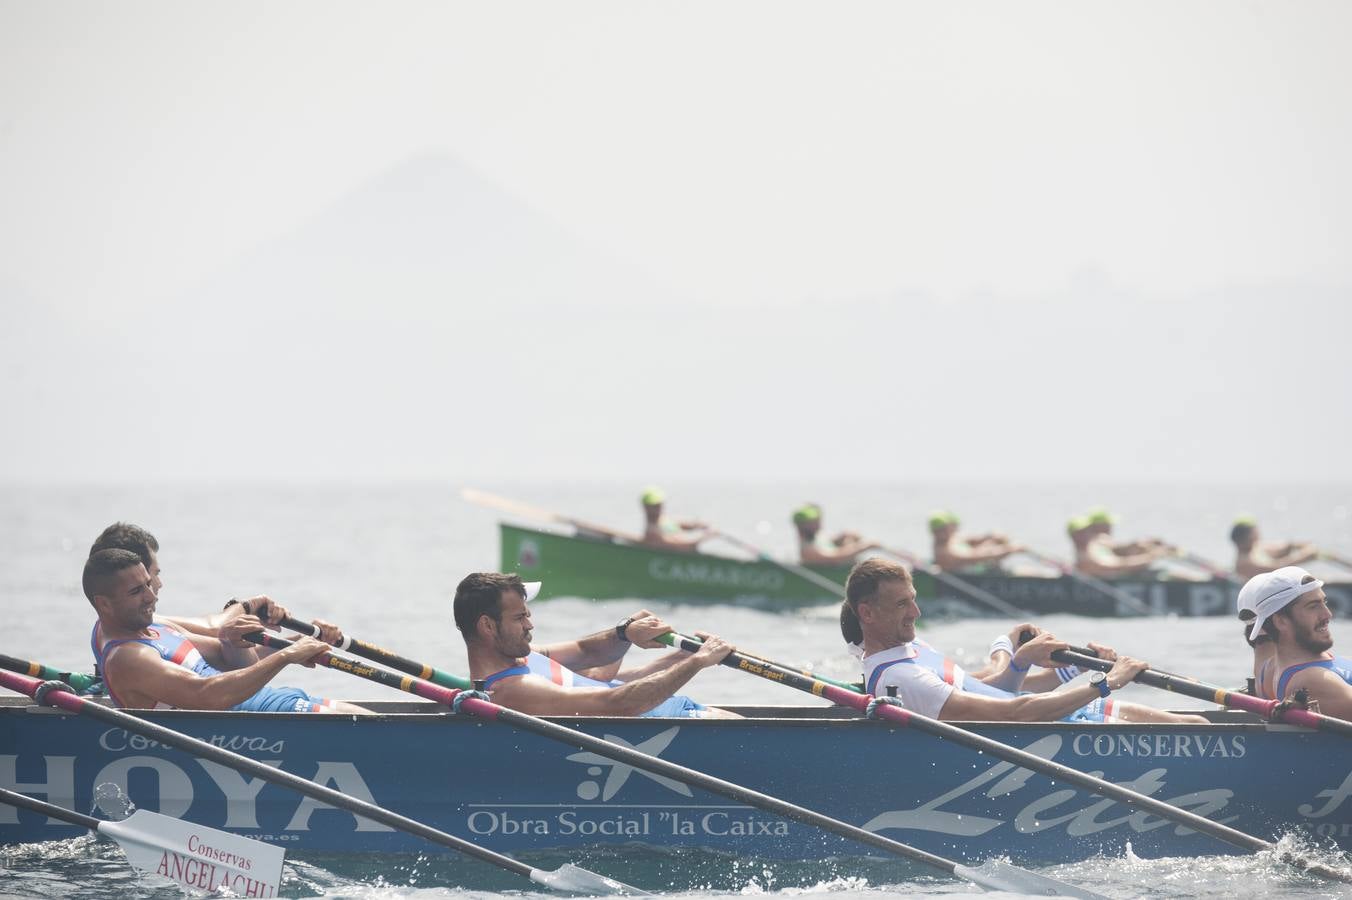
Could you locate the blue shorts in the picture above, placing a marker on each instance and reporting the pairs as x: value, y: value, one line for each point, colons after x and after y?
x: 678, y: 707
x: 271, y: 699
x: 1098, y: 711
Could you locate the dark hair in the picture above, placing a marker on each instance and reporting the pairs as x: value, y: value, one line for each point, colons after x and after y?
x: 102, y: 567
x: 126, y: 536
x: 1247, y: 616
x: 861, y: 587
x: 1241, y: 532
x: 480, y: 594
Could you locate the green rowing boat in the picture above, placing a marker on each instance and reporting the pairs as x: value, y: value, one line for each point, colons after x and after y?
x: 602, y: 568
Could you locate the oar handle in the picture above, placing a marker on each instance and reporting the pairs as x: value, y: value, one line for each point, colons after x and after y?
x: 1025, y: 636
x: 382, y: 656
x: 37, y: 670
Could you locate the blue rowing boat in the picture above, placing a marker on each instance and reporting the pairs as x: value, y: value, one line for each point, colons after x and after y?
x: 512, y: 791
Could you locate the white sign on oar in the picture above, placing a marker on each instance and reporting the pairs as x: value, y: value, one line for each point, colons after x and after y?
x: 194, y: 856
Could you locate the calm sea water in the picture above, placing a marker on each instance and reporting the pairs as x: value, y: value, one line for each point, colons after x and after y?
x: 382, y: 561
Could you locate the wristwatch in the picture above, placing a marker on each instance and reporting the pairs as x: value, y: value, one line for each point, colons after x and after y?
x: 1100, y: 681
x: 622, y: 628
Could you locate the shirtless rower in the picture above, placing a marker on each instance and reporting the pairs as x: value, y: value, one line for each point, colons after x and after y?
x: 1098, y: 557
x: 1288, y: 605
x: 126, y: 536
x: 1254, y: 557
x: 881, y: 610
x: 816, y: 549
x: 148, y: 662
x: 666, y: 532
x: 573, y: 678
x: 970, y: 554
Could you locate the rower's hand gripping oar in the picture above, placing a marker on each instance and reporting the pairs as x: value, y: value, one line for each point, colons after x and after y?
x: 160, y: 845
x: 993, y: 875
x: 875, y: 708
x: 1272, y: 710
x: 383, y: 656
x: 568, y: 878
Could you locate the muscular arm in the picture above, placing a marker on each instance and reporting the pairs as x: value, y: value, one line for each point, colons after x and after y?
x: 1332, y: 693
x: 1028, y: 708
x: 144, y: 679
x: 604, y: 648
x: 541, y: 697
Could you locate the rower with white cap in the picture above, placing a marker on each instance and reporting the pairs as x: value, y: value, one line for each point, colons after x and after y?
x: 573, y: 678
x: 1288, y: 605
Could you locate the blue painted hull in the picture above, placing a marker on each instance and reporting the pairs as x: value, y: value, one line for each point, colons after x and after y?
x: 515, y: 792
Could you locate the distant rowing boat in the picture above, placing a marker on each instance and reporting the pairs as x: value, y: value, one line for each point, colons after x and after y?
x: 513, y: 791
x: 601, y: 569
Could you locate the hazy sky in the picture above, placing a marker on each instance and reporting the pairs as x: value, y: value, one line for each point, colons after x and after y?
x: 959, y: 240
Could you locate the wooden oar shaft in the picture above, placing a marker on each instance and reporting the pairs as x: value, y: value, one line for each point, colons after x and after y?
x: 905, y: 717
x: 979, y: 594
x: 37, y: 670
x: 51, y: 810
x: 71, y: 703
x: 1190, y: 687
x: 384, y: 657
x: 486, y: 709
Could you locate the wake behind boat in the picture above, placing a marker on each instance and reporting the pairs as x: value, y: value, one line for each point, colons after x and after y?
x: 600, y: 568
x: 511, y: 791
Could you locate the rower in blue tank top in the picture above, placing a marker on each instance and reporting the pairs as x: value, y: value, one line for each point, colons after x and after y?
x: 152, y: 663
x: 176, y: 648
x: 573, y: 678
x: 1288, y: 607
x: 879, y: 616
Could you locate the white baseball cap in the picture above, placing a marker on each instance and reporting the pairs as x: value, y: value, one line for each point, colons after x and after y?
x: 1273, y: 591
x: 532, y: 589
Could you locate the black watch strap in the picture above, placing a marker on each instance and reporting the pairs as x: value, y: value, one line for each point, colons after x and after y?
x: 622, y: 629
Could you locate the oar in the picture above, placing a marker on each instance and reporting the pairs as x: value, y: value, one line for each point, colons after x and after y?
x: 493, y: 501
x: 1209, y: 567
x: 864, y: 703
x: 47, y: 673
x: 1336, y: 559
x: 567, y: 877
x: 1190, y: 687
x: 1097, y: 584
x: 994, y: 875
x: 953, y: 581
x: 383, y: 656
x: 174, y: 849
x: 833, y: 588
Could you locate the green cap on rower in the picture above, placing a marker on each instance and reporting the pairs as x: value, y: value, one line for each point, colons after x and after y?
x: 1100, y: 516
x: 939, y: 518
x: 1246, y: 519
x: 808, y: 512
x: 653, y: 496
x: 1077, y: 524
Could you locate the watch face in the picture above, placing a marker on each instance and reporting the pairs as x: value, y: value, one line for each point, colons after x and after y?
x: 1097, y: 678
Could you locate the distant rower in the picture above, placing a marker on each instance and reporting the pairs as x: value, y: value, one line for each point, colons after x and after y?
x: 816, y: 549
x: 666, y: 532
x: 1097, y: 554
x: 1254, y: 557
x: 1288, y: 606
x: 962, y: 553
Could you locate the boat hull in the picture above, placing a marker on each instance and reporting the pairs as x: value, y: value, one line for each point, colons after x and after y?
x: 572, y: 566
x: 515, y: 792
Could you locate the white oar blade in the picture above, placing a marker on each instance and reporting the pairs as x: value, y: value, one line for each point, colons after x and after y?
x: 197, y: 857
x: 996, y: 875
x: 577, y: 880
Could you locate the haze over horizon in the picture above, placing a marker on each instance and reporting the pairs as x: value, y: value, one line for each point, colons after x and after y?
x: 751, y: 241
